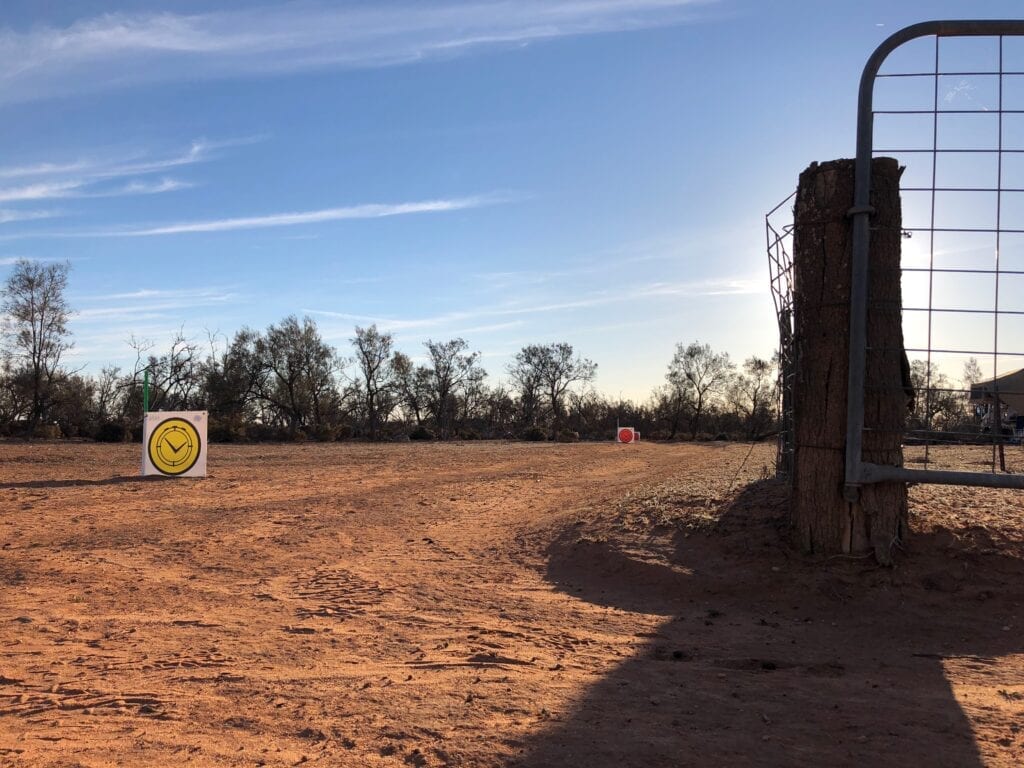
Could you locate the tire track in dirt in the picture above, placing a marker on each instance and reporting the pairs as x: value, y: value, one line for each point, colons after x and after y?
x: 333, y: 593
x: 357, y: 605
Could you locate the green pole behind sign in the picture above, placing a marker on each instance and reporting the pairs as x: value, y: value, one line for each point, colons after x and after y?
x: 145, y: 391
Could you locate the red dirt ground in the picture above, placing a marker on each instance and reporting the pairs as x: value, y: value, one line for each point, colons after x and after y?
x: 490, y: 604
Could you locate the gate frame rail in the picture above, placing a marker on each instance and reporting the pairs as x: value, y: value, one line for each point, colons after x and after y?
x: 858, y: 471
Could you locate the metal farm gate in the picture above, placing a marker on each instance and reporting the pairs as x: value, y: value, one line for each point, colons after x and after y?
x: 946, y: 99
x: 950, y: 108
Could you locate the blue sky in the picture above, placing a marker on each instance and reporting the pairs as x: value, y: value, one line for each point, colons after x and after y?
x: 592, y: 171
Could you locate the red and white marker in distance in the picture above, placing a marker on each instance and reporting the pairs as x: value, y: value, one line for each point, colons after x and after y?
x: 625, y: 435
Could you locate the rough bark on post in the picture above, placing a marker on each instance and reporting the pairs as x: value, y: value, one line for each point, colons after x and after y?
x: 824, y: 522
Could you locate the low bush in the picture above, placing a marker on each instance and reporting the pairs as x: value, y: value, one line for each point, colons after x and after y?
x: 421, y: 433
x: 263, y: 433
x: 221, y: 430
x: 536, y: 434
x: 110, y: 432
x: 48, y: 431
x: 323, y: 433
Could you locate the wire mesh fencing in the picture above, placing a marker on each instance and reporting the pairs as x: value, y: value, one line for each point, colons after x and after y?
x: 946, y: 99
x: 779, y: 233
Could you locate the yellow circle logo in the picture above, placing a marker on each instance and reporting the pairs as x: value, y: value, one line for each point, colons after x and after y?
x: 174, y: 446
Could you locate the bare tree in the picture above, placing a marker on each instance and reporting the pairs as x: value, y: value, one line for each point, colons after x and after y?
x: 500, y: 410
x: 413, y: 384
x: 299, y: 371
x: 15, y: 398
x: 551, y: 369
x: 937, y: 405
x: 108, y: 391
x: 526, y: 382
x: 373, y: 356
x: 972, y: 373
x: 73, y: 409
x: 451, y: 368
x: 473, y: 401
x: 752, y: 394
x: 233, y: 380
x: 35, y: 329
x: 670, y: 405
x: 175, y: 377
x: 698, y: 373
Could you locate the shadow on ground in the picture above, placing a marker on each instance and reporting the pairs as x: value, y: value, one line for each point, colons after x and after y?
x: 83, y: 483
x: 765, y: 659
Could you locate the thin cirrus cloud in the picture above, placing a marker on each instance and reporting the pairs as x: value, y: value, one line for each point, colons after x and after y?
x: 8, y: 216
x: 148, y: 294
x: 136, y: 187
x: 120, y: 49
x: 57, y: 190
x: 288, y: 219
x: 150, y: 303
x: 39, y: 191
x: 122, y: 175
x: 126, y: 164
x: 727, y: 286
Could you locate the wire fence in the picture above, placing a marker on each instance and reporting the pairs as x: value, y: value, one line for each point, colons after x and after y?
x: 779, y: 232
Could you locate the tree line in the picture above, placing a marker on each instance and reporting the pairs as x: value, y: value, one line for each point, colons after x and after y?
x: 286, y: 383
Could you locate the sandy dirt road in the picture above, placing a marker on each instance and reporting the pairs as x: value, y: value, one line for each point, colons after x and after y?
x: 488, y: 604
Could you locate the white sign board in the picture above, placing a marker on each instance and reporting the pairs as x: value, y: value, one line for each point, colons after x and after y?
x: 626, y: 435
x: 174, y: 443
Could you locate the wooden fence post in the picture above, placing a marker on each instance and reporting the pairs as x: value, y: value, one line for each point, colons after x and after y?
x: 824, y: 522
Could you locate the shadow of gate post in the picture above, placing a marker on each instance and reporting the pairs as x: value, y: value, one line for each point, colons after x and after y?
x: 764, y: 659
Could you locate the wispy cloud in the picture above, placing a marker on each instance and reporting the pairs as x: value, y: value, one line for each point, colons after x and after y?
x: 124, y: 164
x: 149, y: 294
x: 121, y: 175
x: 728, y: 286
x: 119, y: 49
x: 7, y: 261
x: 365, y: 211
x: 735, y: 286
x: 62, y: 190
x: 40, y: 191
x: 7, y: 216
x: 148, y: 303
